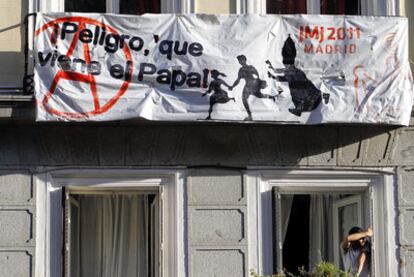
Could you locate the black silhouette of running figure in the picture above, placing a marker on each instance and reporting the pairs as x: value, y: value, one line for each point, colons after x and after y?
x: 305, y: 96
x: 219, y: 95
x: 253, y: 84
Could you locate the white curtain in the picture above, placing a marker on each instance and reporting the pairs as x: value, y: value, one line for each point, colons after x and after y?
x: 114, y: 235
x: 320, y: 228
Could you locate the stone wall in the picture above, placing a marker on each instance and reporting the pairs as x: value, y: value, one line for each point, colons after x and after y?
x: 217, y: 223
x: 216, y: 215
x: 195, y: 145
x: 17, y: 223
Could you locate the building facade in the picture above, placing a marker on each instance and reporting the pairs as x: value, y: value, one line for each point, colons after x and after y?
x: 210, y: 199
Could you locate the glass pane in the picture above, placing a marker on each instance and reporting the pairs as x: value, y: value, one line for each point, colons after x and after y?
x: 348, y: 218
x: 340, y: 7
x: 139, y: 6
x: 286, y: 6
x: 97, y: 6
x: 215, y: 6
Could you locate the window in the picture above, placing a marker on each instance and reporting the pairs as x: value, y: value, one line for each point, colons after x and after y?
x: 114, y: 222
x: 313, y: 6
x: 139, y: 7
x: 286, y: 7
x: 121, y: 6
x: 311, y: 224
x: 306, y: 214
x: 112, y: 233
x: 85, y: 6
x: 340, y: 7
x: 104, y: 6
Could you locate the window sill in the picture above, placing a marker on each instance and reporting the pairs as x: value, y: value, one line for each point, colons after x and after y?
x: 13, y: 95
x: 14, y: 106
x: 9, y: 97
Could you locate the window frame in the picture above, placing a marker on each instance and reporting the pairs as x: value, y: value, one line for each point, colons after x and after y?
x: 49, y: 189
x: 361, y: 193
x: 379, y: 183
x: 357, y: 199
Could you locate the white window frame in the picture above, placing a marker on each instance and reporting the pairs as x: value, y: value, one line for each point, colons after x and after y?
x: 355, y: 199
x: 379, y: 183
x: 49, y: 237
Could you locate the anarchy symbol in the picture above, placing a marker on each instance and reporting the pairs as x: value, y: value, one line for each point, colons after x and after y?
x: 53, y: 28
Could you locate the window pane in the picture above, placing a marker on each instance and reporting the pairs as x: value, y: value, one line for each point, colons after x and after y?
x: 348, y: 218
x: 139, y: 6
x: 340, y: 7
x: 286, y: 6
x: 97, y: 6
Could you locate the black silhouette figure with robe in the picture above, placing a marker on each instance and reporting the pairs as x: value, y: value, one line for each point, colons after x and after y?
x: 253, y: 84
x: 305, y: 96
x: 219, y: 95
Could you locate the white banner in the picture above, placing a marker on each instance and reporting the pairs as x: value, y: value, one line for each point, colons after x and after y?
x: 306, y: 69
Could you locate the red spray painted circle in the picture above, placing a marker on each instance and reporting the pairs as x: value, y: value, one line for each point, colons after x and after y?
x: 81, y: 77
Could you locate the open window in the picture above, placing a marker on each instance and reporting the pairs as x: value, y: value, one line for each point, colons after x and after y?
x: 347, y: 212
x: 305, y: 214
x: 315, y: 6
x: 119, y: 6
x: 105, y: 6
x: 309, y: 226
x: 109, y: 222
x: 112, y: 233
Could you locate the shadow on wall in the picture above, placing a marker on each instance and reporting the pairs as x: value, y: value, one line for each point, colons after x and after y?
x: 288, y: 145
x: 209, y: 145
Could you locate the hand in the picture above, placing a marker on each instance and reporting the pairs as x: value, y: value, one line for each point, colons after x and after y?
x: 369, y: 232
